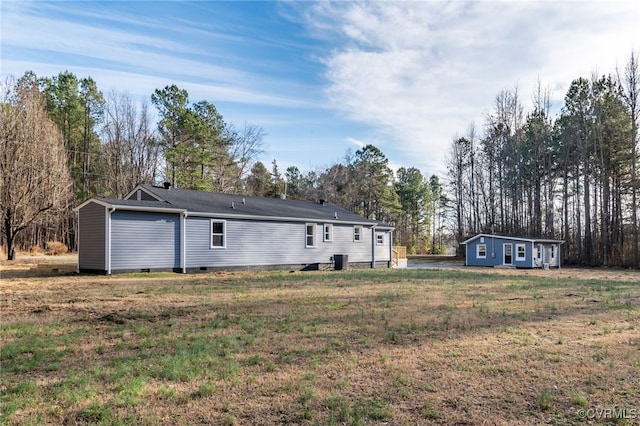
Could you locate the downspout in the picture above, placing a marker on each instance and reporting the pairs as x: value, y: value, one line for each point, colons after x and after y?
x: 108, y: 239
x: 391, y: 249
x: 373, y: 247
x: 183, y: 242
x: 493, y: 247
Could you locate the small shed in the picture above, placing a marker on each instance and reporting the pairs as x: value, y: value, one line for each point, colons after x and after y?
x: 518, y: 252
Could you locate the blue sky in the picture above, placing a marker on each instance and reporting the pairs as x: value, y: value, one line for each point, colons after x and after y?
x: 324, y: 77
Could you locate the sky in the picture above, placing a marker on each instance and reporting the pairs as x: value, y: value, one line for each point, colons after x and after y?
x: 323, y: 79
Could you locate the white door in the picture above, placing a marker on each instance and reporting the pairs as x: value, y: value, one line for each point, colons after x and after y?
x: 508, y: 254
x: 538, y: 255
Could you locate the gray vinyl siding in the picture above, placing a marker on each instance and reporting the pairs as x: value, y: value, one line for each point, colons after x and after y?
x: 382, y: 251
x: 141, y: 240
x: 143, y: 196
x: 254, y: 243
x: 91, y: 237
x: 547, y: 255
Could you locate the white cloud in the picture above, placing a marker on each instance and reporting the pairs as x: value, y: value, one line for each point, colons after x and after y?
x: 420, y: 72
x: 356, y: 142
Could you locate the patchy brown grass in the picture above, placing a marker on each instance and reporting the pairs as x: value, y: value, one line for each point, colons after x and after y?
x: 355, y: 347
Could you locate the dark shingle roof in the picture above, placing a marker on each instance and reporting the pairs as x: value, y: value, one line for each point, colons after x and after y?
x: 241, y: 205
x: 516, y: 238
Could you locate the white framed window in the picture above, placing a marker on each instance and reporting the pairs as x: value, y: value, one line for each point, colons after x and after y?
x: 218, y: 230
x: 380, y: 239
x: 328, y: 232
x: 481, y: 251
x: 357, y: 233
x: 521, y: 251
x: 553, y: 251
x: 310, y: 235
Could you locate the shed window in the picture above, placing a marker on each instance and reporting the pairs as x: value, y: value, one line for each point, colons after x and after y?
x: 481, y: 251
x: 357, y: 233
x: 328, y: 232
x: 217, y: 233
x: 520, y: 252
x: 553, y: 251
x: 379, y: 239
x: 311, y: 235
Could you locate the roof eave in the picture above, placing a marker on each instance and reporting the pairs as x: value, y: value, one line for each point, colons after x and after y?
x: 277, y: 218
x: 117, y: 206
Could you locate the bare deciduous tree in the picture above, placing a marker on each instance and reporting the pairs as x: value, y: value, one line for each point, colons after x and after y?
x: 130, y: 153
x: 34, y: 177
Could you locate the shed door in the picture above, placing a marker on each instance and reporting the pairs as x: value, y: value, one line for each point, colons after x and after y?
x: 508, y: 254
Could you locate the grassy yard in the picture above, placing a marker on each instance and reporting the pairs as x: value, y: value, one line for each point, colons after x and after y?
x: 331, y: 348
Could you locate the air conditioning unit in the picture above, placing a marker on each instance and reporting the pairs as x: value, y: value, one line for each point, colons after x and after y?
x: 545, y: 266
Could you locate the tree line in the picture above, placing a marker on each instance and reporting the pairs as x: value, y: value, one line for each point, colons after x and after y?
x: 572, y: 176
x: 64, y: 141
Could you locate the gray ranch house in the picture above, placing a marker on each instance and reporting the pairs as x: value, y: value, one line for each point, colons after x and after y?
x: 500, y: 250
x: 168, y: 229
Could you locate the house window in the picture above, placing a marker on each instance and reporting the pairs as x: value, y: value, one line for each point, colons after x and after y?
x: 481, y: 251
x: 328, y: 232
x: 553, y: 251
x: 217, y: 233
x: 521, y: 252
x: 311, y: 235
x: 357, y: 233
x: 379, y: 239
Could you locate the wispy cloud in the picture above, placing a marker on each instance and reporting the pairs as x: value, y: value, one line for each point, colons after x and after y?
x: 420, y: 72
x: 356, y: 142
x: 328, y: 76
x: 121, y: 47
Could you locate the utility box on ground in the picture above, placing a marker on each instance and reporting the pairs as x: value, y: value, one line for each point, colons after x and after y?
x: 341, y: 261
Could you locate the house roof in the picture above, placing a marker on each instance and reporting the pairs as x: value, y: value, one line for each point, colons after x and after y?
x: 201, y: 203
x: 507, y: 237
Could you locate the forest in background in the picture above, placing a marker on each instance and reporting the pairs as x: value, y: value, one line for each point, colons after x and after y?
x: 572, y: 176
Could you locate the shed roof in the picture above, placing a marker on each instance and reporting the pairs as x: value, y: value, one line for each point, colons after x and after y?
x: 508, y: 237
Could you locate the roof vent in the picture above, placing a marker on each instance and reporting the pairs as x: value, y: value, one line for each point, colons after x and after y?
x: 323, y: 202
x: 335, y: 215
x: 244, y: 201
x: 167, y: 185
x: 233, y: 205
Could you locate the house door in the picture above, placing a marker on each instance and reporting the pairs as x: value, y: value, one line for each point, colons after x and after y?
x: 508, y: 254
